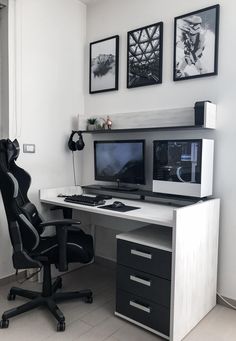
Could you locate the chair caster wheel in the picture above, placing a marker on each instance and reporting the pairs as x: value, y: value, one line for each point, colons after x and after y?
x: 61, y: 326
x: 89, y: 299
x: 4, y: 324
x: 11, y: 297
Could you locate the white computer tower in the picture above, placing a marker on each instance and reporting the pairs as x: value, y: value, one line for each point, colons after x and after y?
x: 183, y: 167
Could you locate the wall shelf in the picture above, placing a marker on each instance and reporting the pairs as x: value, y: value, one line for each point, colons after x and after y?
x: 154, y: 120
x: 133, y: 130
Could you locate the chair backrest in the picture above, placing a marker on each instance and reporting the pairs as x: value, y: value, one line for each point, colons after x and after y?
x: 14, y: 185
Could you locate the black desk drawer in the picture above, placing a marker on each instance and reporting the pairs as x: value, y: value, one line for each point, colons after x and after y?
x: 143, y: 311
x: 144, y: 258
x: 150, y: 287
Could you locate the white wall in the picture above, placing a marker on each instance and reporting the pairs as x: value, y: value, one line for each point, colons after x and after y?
x: 3, y: 70
x: 49, y: 93
x: 109, y: 17
x: 5, y: 248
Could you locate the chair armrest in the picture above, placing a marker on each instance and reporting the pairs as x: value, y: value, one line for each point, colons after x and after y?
x: 61, y: 222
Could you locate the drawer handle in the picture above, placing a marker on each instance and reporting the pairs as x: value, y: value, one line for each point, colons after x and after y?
x: 141, y: 254
x: 139, y: 306
x: 140, y: 280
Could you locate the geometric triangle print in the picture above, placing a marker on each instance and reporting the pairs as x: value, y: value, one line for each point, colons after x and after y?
x: 157, y: 33
x: 149, y: 48
x: 143, y: 46
x: 132, y: 49
x: 155, y: 43
x: 138, y: 51
x: 144, y: 36
x: 131, y: 41
x: 151, y: 31
x: 136, y: 35
x: 139, y: 58
x: 152, y: 56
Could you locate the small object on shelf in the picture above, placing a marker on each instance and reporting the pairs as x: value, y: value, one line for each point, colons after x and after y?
x: 100, y: 123
x: 91, y: 123
x: 108, y: 123
x: 103, y: 123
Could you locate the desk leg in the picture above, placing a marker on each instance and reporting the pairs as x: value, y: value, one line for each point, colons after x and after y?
x: 93, y: 234
x: 67, y: 213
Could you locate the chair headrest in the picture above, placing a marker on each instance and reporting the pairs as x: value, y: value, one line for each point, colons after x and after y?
x: 13, y: 150
x: 10, y: 151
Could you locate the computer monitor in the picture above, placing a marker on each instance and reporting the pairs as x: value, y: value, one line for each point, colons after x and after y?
x: 183, y: 167
x: 120, y: 161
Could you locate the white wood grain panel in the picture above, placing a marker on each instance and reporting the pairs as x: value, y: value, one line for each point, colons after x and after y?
x: 147, y: 119
x: 155, y: 236
x: 142, y: 325
x: 194, y: 265
x: 151, y: 213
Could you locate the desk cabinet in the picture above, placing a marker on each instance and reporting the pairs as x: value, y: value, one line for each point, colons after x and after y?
x: 144, y: 280
x: 177, y: 254
x: 167, y: 275
x: 144, y: 284
x: 141, y: 257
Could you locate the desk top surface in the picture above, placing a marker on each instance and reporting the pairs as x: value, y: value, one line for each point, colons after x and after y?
x: 149, y: 212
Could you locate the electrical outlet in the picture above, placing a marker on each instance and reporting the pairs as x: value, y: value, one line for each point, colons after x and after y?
x: 28, y: 148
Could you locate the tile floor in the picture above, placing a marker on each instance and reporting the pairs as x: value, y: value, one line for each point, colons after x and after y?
x: 96, y: 322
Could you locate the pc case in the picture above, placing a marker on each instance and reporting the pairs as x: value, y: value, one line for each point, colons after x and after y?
x: 183, y: 167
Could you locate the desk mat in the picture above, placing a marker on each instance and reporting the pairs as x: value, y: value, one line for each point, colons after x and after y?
x: 119, y: 209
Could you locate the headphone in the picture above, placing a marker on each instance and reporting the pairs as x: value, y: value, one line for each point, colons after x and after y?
x: 76, y: 145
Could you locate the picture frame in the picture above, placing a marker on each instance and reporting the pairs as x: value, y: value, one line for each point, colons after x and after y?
x: 145, y: 55
x: 104, y: 65
x: 196, y: 43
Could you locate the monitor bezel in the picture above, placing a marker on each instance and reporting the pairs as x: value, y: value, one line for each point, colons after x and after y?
x: 100, y: 178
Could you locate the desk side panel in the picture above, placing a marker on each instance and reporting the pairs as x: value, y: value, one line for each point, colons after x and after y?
x: 194, y: 265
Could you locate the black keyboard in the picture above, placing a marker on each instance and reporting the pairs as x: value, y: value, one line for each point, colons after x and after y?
x: 85, y: 200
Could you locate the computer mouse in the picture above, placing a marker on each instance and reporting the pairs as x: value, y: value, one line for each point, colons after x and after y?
x: 117, y: 204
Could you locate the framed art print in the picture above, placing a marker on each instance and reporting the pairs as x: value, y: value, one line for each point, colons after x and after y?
x: 104, y: 64
x: 196, y: 44
x: 144, y: 49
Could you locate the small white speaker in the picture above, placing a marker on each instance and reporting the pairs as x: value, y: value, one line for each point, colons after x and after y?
x: 205, y: 114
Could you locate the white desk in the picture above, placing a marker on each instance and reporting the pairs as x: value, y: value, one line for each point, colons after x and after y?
x: 194, y: 246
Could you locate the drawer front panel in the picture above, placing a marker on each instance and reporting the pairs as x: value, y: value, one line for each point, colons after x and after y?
x: 150, y: 287
x: 143, y: 311
x: 144, y: 258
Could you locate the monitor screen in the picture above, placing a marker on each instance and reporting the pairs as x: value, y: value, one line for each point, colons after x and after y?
x: 120, y: 161
x: 178, y: 161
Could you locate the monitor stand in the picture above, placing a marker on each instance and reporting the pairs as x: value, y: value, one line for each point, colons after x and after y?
x: 120, y: 188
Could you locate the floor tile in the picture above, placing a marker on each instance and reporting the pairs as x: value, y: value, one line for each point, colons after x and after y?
x: 96, y: 321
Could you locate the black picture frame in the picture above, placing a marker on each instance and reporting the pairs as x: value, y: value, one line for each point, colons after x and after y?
x: 104, y: 65
x: 145, y: 55
x: 199, y: 27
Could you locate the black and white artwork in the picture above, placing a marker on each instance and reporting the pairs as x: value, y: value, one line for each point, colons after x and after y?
x: 104, y: 63
x: 144, y: 66
x: 196, y: 44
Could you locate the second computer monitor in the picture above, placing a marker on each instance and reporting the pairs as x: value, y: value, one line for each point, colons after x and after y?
x: 120, y: 161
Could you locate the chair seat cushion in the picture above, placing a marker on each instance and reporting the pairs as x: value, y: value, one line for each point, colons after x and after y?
x: 79, y: 247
